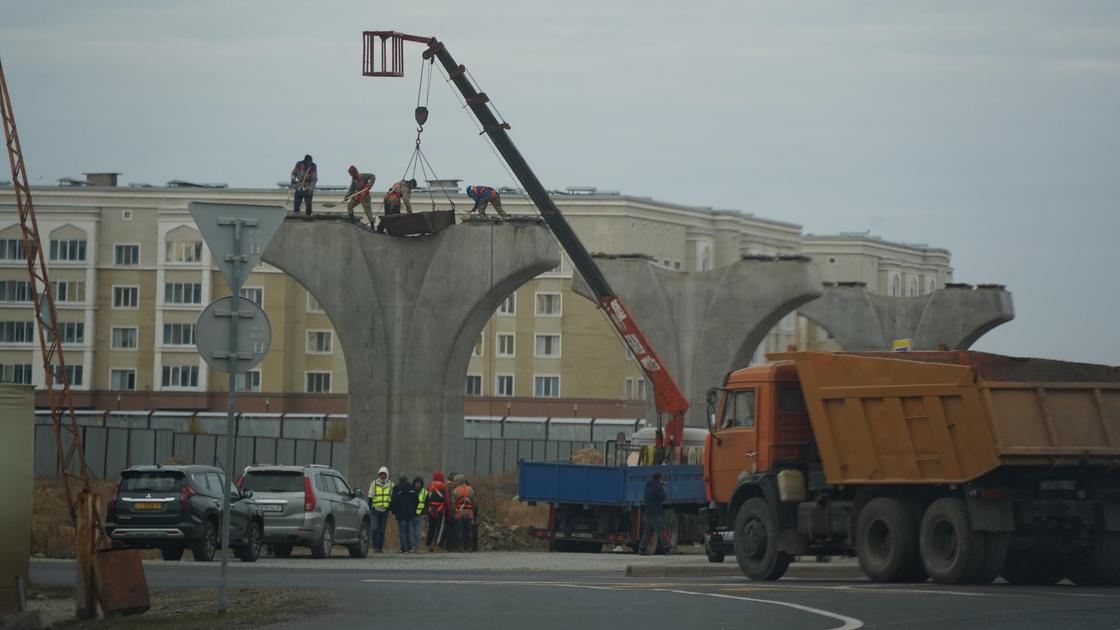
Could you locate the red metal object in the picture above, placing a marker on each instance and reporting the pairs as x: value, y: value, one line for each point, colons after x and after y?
x: 383, y: 52
x: 122, y: 587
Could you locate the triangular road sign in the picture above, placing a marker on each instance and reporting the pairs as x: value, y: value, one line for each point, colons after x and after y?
x: 218, y: 223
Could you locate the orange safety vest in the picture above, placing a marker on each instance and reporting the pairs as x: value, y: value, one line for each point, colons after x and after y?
x: 437, y: 498
x: 463, y: 500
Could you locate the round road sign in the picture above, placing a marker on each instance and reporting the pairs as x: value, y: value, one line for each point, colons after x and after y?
x: 254, y: 334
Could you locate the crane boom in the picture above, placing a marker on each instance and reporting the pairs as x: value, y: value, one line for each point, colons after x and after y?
x: 668, y: 397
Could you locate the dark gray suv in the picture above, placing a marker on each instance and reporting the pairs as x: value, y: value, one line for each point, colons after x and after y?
x: 309, y: 506
x: 175, y: 507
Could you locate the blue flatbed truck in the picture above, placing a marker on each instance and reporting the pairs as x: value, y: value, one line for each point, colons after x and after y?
x: 590, y: 505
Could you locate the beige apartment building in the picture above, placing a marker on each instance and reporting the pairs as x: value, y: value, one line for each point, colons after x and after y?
x: 132, y: 275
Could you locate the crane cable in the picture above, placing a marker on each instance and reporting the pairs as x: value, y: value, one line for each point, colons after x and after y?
x: 418, y: 159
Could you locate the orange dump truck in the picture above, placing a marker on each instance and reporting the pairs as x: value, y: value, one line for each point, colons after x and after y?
x: 957, y: 466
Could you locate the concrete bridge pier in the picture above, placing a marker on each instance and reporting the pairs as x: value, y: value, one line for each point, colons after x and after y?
x: 705, y: 324
x: 955, y: 316
x: 408, y: 312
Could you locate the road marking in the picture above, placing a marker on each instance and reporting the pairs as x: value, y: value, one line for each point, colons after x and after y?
x: 847, y: 623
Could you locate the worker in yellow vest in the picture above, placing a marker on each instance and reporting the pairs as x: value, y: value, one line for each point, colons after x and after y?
x: 379, y: 494
x: 422, y: 496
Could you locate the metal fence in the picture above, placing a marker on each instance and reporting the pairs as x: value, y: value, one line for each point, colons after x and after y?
x: 115, y: 440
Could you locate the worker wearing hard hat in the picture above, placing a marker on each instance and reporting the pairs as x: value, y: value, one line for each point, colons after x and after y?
x: 484, y: 196
x: 361, y: 184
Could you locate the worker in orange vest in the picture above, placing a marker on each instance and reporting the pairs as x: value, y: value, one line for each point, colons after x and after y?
x: 484, y: 196
x: 398, y: 194
x: 436, y: 511
x: 463, y: 499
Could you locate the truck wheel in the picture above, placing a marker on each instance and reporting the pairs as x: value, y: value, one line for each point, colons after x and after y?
x: 756, y: 542
x: 1100, y: 564
x: 887, y: 540
x: 1030, y: 567
x: 951, y: 552
x: 715, y: 557
x: 995, y: 556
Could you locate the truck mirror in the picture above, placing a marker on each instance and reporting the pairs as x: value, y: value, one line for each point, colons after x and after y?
x: 711, y: 399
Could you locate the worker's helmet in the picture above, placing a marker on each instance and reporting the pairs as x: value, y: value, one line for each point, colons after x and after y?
x: 353, y: 170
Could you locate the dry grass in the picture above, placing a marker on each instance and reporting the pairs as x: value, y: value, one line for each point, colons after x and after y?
x: 52, y: 535
x: 587, y: 456
x: 496, y: 501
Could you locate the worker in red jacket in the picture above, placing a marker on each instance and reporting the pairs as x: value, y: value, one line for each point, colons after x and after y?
x: 436, y: 511
x: 484, y: 196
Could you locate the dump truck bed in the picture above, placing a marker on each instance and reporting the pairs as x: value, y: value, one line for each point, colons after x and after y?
x: 928, y: 417
x: 594, y: 484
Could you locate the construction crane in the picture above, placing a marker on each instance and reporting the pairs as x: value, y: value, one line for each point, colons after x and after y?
x: 383, y: 56
x: 85, y: 512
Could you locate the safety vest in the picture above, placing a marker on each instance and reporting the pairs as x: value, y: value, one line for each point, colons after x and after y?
x: 437, y: 498
x: 463, y: 501
x: 379, y: 495
x: 481, y: 192
x: 420, y: 505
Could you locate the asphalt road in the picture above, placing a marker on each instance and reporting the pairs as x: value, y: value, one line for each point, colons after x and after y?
x: 394, y: 595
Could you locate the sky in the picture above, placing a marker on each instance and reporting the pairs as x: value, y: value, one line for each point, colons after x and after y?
x: 991, y: 129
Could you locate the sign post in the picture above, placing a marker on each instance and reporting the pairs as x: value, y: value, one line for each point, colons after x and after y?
x: 236, y: 235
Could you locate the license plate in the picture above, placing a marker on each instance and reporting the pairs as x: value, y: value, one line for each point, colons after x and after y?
x: 272, y: 507
x: 147, y: 506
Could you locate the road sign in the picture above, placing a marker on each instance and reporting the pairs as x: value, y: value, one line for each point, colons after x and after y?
x: 254, y: 334
x: 220, y: 224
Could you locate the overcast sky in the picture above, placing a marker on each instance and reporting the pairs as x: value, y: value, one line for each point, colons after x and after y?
x: 990, y: 129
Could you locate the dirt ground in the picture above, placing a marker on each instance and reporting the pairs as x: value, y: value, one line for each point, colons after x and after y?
x: 190, y: 608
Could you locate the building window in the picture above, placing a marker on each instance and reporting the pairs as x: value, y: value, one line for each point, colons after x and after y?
x: 504, y: 385
x: 124, y: 338
x: 677, y: 265
x: 636, y: 389
x: 506, y: 345
x: 73, y: 375
x: 474, y: 385
x: 12, y: 291
x: 72, y: 332
x: 546, y: 386
x: 313, y: 305
x: 72, y: 250
x: 122, y: 379
x: 479, y: 346
x: 17, y: 332
x: 16, y: 373
x: 254, y: 294
x: 931, y: 285
x: 913, y: 287
x: 508, y: 305
x: 183, y: 251
x: 547, y: 346
x: 318, y: 342
x: 706, y: 259
x: 183, y: 376
x: 248, y: 381
x: 548, y: 305
x: 12, y: 249
x: 896, y: 286
x: 126, y: 297
x: 318, y: 382
x: 182, y: 293
x: 126, y: 255
x: 69, y: 291
x: 178, y: 334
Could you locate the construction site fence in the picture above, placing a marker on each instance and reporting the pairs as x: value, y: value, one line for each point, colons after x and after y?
x: 116, y: 440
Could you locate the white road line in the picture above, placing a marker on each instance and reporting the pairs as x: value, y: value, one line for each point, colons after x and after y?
x: 848, y: 623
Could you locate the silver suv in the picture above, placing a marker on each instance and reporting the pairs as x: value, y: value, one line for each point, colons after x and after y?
x: 309, y: 506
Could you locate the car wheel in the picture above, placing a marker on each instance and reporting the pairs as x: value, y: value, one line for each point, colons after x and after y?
x: 756, y: 542
x: 171, y: 554
x: 282, y: 551
x: 251, y: 550
x: 204, y: 548
x: 887, y: 540
x: 361, y: 549
x: 951, y: 552
x: 322, y: 549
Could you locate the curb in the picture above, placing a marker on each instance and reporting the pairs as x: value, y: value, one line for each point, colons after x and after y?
x: 804, y: 570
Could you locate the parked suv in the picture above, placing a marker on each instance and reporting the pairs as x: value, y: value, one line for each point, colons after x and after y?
x: 309, y: 506
x: 174, y: 507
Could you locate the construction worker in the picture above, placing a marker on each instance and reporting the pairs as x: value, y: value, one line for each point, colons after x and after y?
x: 484, y: 196
x: 436, y: 509
x: 380, y: 494
x: 304, y: 177
x: 398, y: 194
x: 418, y: 518
x: 361, y: 186
x: 463, y: 498
x: 653, y: 518
x: 403, y: 506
